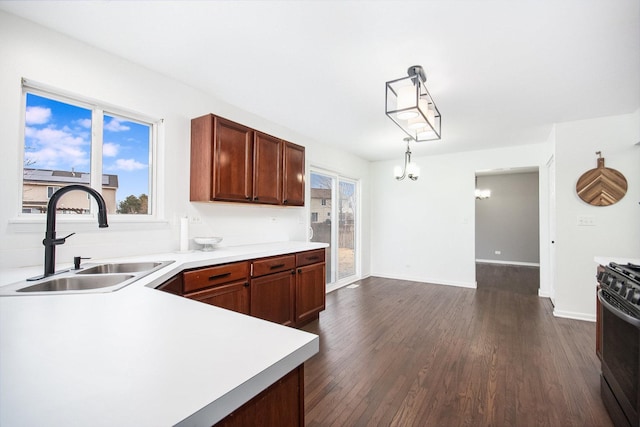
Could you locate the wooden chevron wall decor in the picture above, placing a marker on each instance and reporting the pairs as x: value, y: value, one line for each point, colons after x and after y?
x: 601, y: 186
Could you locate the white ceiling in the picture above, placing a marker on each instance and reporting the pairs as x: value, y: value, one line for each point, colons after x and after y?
x: 501, y: 71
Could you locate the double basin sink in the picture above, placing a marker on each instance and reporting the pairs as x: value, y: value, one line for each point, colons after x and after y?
x: 106, y: 277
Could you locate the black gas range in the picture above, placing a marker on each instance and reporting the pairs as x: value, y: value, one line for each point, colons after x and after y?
x: 619, y: 295
x: 620, y: 284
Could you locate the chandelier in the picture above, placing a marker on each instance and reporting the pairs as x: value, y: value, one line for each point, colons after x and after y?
x: 410, y: 170
x: 410, y: 106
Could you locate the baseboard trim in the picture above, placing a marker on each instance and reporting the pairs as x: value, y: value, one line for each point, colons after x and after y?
x: 345, y: 282
x: 493, y: 261
x: 543, y: 294
x: 574, y: 315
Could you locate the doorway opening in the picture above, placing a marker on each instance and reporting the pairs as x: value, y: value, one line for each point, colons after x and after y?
x: 507, y: 230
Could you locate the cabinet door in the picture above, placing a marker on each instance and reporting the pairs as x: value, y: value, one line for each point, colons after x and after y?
x: 293, y: 175
x: 201, y: 172
x: 267, y: 172
x: 282, y: 404
x: 232, y: 296
x: 310, y: 292
x: 272, y: 297
x: 233, y: 161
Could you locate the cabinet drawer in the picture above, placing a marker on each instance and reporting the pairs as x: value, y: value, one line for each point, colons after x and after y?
x: 273, y: 265
x: 232, y: 296
x: 217, y: 275
x: 309, y: 257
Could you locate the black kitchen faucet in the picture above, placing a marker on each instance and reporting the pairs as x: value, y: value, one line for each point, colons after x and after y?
x: 50, y: 241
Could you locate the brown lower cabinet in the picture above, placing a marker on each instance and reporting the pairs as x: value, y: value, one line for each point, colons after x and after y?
x: 232, y: 296
x: 280, y: 405
x: 272, y: 297
x: 310, y: 293
x: 287, y: 289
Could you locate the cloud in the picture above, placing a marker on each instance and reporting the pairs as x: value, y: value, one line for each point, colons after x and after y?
x: 110, y: 149
x: 128, y: 165
x: 114, y: 125
x: 37, y: 115
x: 85, y: 123
x: 55, y: 148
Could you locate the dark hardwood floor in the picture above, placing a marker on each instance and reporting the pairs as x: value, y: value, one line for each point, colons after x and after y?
x: 399, y: 353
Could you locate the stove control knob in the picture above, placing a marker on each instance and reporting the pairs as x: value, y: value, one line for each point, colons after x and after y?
x: 636, y: 298
x: 616, y: 285
x: 622, y: 290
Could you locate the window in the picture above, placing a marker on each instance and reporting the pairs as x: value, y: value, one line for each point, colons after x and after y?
x: 74, y: 141
x: 51, y: 190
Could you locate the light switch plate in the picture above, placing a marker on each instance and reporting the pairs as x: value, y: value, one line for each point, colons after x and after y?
x: 586, y: 221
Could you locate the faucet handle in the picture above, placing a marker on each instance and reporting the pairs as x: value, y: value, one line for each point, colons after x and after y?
x: 62, y: 240
x: 56, y: 241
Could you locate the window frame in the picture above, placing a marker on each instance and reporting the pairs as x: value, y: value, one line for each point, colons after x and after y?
x: 98, y: 110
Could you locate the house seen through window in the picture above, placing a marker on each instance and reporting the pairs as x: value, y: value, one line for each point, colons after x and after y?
x: 68, y: 142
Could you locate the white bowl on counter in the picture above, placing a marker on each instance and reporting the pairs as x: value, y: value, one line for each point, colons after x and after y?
x: 207, y: 242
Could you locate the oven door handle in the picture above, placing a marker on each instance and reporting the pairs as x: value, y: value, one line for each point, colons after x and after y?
x: 624, y: 316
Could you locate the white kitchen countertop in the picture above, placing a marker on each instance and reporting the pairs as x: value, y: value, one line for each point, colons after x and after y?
x: 139, y: 356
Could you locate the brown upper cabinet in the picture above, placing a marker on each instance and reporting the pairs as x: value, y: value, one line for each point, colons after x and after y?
x: 293, y: 175
x: 234, y: 163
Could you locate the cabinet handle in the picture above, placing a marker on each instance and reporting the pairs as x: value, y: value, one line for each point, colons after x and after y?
x: 313, y: 258
x: 293, y: 271
x: 219, y: 276
x: 285, y: 201
x: 273, y: 267
x: 246, y: 284
x: 255, y: 198
x: 299, y: 270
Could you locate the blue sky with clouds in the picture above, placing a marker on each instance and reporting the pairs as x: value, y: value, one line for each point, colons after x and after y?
x: 58, y: 137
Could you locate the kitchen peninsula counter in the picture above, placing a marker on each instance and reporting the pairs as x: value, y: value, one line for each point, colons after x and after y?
x: 139, y: 356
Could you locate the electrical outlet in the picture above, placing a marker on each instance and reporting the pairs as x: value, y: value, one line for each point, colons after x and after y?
x: 497, y: 252
x: 194, y: 219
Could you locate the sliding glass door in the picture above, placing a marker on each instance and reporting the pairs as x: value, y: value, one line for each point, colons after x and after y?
x: 334, y: 201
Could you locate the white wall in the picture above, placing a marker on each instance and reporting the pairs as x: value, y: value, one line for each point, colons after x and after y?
x: 33, y: 52
x: 617, y: 227
x: 425, y: 230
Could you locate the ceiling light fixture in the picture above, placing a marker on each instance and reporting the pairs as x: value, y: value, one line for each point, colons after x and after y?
x: 481, y: 194
x: 411, y: 170
x: 411, y: 107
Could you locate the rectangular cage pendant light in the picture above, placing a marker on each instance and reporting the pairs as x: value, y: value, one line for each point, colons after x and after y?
x: 410, y: 106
